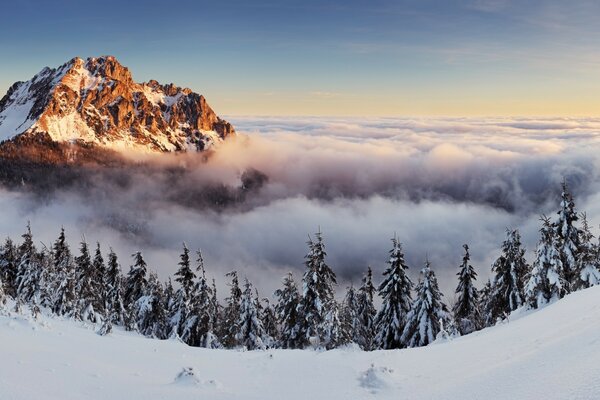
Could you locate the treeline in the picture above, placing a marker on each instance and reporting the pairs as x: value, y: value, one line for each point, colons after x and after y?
x: 89, y: 288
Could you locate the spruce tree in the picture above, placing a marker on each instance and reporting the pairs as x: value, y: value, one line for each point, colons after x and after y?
x: 8, y: 267
x: 349, y: 321
x: 181, y: 306
x: 250, y: 329
x: 151, y: 318
x: 366, y: 313
x: 395, y: 292
x: 99, y: 268
x: 86, y: 286
x: 269, y: 322
x: 115, y: 307
x: 64, y: 286
x: 588, y: 261
x: 231, y: 319
x: 507, y: 286
x: 467, y: 315
x: 335, y: 334
x: 568, y: 240
x: 546, y: 278
x: 317, y: 294
x: 29, y: 271
x: 428, y: 312
x: 135, y: 288
x: 286, y: 310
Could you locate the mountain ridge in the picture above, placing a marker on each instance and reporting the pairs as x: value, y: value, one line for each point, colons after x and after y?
x: 96, y: 101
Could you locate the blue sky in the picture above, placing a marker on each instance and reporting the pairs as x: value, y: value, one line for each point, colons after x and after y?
x: 403, y: 57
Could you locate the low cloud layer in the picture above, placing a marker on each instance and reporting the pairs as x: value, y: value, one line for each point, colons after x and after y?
x: 436, y: 183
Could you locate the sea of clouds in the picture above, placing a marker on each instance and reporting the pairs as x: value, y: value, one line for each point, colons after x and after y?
x: 436, y: 183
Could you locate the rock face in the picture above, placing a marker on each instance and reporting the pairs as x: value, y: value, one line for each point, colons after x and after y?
x: 96, y: 101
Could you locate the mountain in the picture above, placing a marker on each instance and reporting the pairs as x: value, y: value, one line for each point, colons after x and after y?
x: 95, y: 102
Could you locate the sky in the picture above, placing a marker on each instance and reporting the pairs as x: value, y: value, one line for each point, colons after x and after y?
x: 330, y: 58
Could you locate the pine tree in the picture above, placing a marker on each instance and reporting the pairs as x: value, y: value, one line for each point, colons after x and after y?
x: 199, y: 329
x: 588, y: 267
x: 467, y: 315
x: 135, y: 288
x: 335, y: 334
x: 29, y: 271
x: 151, y: 318
x: 115, y: 308
x: 546, y: 278
x: 269, y: 322
x: 181, y: 306
x: 349, y: 321
x: 507, y: 286
x: 366, y: 313
x: 568, y: 240
x: 251, y: 330
x: 99, y: 268
x: 428, y: 312
x: 86, y: 286
x: 317, y: 294
x: 231, y: 318
x: 395, y: 292
x: 286, y: 311
x: 8, y: 267
x: 64, y: 286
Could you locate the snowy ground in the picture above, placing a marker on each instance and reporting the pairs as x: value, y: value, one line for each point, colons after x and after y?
x: 553, y: 353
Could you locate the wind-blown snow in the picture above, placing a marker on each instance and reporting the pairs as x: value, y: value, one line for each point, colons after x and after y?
x: 549, y: 354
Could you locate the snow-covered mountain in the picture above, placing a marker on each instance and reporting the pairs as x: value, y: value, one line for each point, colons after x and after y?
x: 551, y: 353
x: 96, y: 101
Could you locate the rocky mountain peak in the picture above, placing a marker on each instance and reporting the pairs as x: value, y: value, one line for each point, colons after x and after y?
x: 96, y: 101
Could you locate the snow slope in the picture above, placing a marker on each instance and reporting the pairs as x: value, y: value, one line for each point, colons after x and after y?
x: 553, y: 353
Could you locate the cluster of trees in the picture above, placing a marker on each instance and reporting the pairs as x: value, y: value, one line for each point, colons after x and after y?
x: 88, y: 288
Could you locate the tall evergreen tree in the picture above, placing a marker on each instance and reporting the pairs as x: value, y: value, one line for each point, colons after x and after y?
x: 467, y: 315
x: 395, y: 292
x: 231, y: 319
x: 135, y: 288
x: 29, y: 271
x: 546, y: 278
x: 507, y: 286
x: 317, y: 294
x: 588, y: 267
x: 181, y: 306
x: 286, y: 310
x: 64, y: 286
x: 115, y: 307
x: 151, y: 317
x: 8, y: 267
x: 366, y: 313
x: 428, y: 312
x: 251, y: 331
x: 349, y: 321
x: 269, y: 321
x: 86, y: 288
x: 568, y: 240
x: 99, y: 268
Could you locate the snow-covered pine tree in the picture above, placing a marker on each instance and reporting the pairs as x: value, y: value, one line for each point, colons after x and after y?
x: 286, y: 310
x: 568, y: 240
x: 428, y: 312
x: 588, y: 261
x: 317, y: 294
x: 231, y: 315
x: 364, y: 334
x: 507, y: 286
x: 334, y: 332
x: 8, y: 267
x: 546, y: 278
x: 29, y: 271
x: 466, y: 311
x: 181, y: 305
x: 2, y: 293
x: 251, y: 330
x: 99, y: 268
x: 269, y: 321
x: 216, y: 310
x: 199, y: 329
x: 86, y: 286
x: 349, y: 321
x: 395, y: 292
x: 135, y: 288
x: 64, y: 285
x: 151, y: 317
x: 115, y: 307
